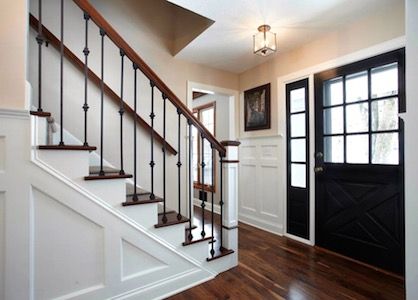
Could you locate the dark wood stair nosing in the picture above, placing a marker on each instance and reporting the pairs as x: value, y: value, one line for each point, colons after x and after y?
x: 43, y: 114
x: 67, y: 147
x: 171, y: 222
x: 192, y: 242
x: 224, y: 252
x: 108, y: 176
x: 139, y: 202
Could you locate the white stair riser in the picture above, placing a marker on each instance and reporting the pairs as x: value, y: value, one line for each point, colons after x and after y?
x: 174, y: 234
x: 72, y: 164
x: 198, y: 251
x: 144, y: 214
x: 112, y: 191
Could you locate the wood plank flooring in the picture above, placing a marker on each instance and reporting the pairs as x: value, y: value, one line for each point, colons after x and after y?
x: 274, y: 267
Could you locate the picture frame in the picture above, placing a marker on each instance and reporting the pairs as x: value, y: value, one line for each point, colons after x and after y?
x: 257, y: 108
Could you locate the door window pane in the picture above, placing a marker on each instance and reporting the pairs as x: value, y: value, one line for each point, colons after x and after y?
x: 334, y: 149
x: 297, y: 125
x: 333, y: 120
x: 356, y: 87
x: 358, y: 149
x: 385, y: 80
x: 385, y: 114
x: 298, y: 175
x: 297, y: 100
x: 357, y: 117
x: 333, y: 92
x: 298, y: 150
x: 385, y: 148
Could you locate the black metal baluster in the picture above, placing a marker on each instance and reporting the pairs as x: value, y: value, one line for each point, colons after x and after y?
x: 179, y: 164
x: 190, y: 236
x: 152, y: 163
x: 62, y: 77
x: 86, y: 52
x: 221, y: 203
x: 212, y: 251
x: 203, y: 205
x: 102, y: 34
x: 40, y: 40
x: 164, y: 219
x: 121, y: 111
x: 135, y: 66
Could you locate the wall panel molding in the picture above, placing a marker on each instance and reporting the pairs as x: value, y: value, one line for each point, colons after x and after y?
x: 260, y: 186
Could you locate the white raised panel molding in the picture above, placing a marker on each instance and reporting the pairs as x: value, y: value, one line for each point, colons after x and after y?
x: 260, y: 183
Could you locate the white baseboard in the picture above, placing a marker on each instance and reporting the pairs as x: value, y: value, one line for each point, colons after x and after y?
x: 261, y: 224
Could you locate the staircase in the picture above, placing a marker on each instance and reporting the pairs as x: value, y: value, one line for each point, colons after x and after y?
x: 159, y: 207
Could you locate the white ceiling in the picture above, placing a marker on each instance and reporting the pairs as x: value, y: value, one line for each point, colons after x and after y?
x: 227, y: 44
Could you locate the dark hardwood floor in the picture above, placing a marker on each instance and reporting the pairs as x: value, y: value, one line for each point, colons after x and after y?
x: 274, y: 267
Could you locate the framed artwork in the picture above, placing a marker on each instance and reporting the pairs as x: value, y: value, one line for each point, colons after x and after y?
x: 257, y: 108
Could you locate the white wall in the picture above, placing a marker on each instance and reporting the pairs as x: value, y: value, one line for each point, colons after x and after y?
x: 13, y: 36
x: 411, y: 144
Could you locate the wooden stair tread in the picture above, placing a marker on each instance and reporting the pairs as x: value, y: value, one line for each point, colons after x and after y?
x: 195, y: 240
x: 142, y: 199
x: 171, y: 219
x: 107, y: 176
x: 67, y: 147
x: 40, y: 113
x: 220, y: 253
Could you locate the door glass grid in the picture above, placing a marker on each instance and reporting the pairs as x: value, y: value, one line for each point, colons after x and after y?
x: 298, y: 167
x: 360, y: 113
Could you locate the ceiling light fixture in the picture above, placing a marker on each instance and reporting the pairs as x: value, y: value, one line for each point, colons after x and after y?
x: 264, y: 41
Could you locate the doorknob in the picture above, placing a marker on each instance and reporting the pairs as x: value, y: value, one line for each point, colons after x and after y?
x: 319, y: 155
x: 318, y: 169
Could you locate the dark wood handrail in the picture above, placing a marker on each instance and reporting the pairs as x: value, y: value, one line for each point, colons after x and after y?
x: 114, y: 36
x: 54, y: 41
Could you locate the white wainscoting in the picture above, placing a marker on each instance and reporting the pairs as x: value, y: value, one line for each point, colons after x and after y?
x: 261, y: 183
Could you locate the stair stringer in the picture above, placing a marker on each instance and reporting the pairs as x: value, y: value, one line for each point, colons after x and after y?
x: 179, y: 271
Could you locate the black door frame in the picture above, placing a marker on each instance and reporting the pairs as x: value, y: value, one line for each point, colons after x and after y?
x: 386, y: 58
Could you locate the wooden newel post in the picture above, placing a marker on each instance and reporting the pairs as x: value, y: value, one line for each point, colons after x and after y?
x: 230, y: 194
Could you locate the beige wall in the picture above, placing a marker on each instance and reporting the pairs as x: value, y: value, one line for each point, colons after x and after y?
x: 385, y: 25
x: 141, y: 28
x: 12, y: 53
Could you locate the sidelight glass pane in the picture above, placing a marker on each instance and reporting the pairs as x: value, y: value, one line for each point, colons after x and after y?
x: 385, y: 148
x: 385, y: 80
x: 297, y: 125
x: 385, y: 114
x: 297, y: 100
x: 334, y: 149
x: 333, y: 120
x: 298, y: 175
x: 333, y: 92
x: 358, y: 149
x: 298, y: 150
x: 356, y: 87
x: 357, y: 117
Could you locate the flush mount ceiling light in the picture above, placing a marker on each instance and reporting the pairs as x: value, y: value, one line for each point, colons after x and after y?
x: 264, y: 41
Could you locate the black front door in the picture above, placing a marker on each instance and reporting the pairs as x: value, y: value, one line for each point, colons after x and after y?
x: 359, y: 160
